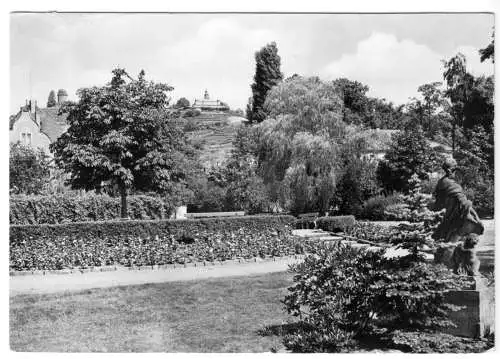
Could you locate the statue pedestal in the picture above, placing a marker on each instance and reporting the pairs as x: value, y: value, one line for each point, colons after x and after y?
x: 477, y: 318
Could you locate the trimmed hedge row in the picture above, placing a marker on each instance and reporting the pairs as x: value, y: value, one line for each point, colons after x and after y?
x: 336, y: 224
x: 64, y: 208
x: 331, y: 224
x: 136, y: 243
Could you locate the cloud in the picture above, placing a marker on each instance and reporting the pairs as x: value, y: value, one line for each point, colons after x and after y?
x: 393, y: 69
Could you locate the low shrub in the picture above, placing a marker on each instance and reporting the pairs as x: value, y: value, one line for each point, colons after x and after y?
x: 336, y: 224
x: 343, y: 295
x: 304, y: 223
x: 373, y: 232
x: 136, y: 243
x: 66, y: 208
x: 375, y: 208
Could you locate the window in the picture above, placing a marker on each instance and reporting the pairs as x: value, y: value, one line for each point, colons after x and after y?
x: 26, y: 137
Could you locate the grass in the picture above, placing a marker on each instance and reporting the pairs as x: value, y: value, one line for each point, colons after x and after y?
x: 217, y: 315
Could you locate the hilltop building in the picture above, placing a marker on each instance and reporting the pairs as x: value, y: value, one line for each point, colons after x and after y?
x: 38, y: 127
x: 206, y: 104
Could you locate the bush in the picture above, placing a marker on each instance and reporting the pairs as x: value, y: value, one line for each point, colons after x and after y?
x: 336, y: 224
x: 375, y: 208
x: 65, y: 208
x: 343, y: 295
x: 29, y: 169
x: 86, y: 244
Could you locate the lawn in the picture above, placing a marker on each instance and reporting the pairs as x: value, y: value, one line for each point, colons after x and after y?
x: 217, y: 315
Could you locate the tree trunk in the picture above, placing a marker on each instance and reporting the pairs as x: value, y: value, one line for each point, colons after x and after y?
x: 124, y: 209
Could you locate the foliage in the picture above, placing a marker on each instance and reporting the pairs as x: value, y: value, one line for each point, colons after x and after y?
x: 119, y: 133
x: 342, y: 294
x: 296, y: 149
x: 29, y: 169
x: 475, y: 158
x: 375, y: 208
x: 358, y: 181
x: 431, y: 342
x: 336, y: 223
x: 51, y: 101
x: 69, y: 207
x: 267, y: 75
x: 182, y: 103
x: 431, y: 111
x: 86, y: 244
x: 409, y: 154
x: 191, y: 113
x: 489, y: 51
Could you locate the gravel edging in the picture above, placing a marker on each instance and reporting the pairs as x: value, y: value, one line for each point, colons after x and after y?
x: 120, y: 268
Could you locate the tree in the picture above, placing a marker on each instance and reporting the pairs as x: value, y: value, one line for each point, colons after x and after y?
x: 182, y: 103
x: 51, y: 102
x: 409, y: 154
x: 430, y: 110
x: 489, y: 51
x: 296, y: 147
x: 353, y: 95
x: 120, y: 133
x: 358, y: 180
x: 458, y: 82
x: 29, y: 169
x: 267, y: 75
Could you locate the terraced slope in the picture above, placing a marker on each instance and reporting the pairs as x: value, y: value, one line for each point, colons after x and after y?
x: 216, y: 133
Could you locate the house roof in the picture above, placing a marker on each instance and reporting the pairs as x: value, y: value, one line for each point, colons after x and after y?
x: 51, y: 123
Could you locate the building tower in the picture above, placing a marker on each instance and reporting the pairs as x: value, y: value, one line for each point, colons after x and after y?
x: 62, y: 96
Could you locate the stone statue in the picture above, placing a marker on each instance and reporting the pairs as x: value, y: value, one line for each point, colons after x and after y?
x: 460, y: 222
x: 460, y: 218
x: 464, y: 257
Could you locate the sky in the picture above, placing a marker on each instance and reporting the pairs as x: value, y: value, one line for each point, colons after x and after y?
x: 391, y: 53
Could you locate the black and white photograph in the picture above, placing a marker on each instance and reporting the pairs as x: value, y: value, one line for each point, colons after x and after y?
x: 251, y: 182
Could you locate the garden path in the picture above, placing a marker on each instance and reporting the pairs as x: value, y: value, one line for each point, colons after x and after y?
x: 51, y: 283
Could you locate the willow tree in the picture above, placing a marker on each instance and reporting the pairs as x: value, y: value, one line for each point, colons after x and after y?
x: 297, y: 146
x: 120, y: 133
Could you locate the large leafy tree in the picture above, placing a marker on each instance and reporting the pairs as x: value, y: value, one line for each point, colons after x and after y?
x: 120, y: 133
x: 267, y: 75
x: 431, y: 110
x: 51, y: 102
x: 353, y: 95
x: 29, y: 170
x: 296, y: 147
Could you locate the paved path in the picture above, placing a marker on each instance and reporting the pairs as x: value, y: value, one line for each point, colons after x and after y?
x: 51, y: 283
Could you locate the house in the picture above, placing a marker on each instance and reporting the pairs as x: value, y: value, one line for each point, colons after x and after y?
x: 38, y: 127
x: 206, y: 104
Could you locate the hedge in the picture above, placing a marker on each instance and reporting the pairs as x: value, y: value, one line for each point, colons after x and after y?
x: 66, y: 208
x: 136, y: 243
x: 336, y: 224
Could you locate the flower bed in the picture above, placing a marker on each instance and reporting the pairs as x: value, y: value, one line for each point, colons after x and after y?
x: 141, y: 243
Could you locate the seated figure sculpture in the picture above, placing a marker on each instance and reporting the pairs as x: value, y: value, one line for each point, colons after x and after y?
x: 460, y: 221
x: 460, y: 218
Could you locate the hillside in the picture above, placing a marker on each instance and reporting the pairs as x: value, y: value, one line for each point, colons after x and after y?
x: 215, y: 132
